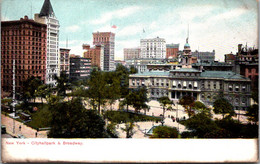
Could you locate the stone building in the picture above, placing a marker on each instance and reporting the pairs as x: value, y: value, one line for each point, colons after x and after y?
x: 64, y: 60
x: 204, y: 56
x: 25, y: 42
x: 107, y: 39
x: 132, y: 53
x: 96, y: 54
x: 47, y: 16
x: 204, y: 86
x: 153, y: 48
x: 80, y: 68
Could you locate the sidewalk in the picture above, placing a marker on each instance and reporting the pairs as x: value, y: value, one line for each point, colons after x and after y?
x: 26, y: 131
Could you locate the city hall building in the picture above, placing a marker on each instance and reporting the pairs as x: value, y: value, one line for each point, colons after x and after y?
x: 203, y: 85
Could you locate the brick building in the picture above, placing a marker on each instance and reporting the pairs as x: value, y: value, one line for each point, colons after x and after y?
x: 65, y: 60
x: 108, y: 40
x: 96, y: 54
x: 172, y: 50
x: 25, y: 41
x: 246, y: 64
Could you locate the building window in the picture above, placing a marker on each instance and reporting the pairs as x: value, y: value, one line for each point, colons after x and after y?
x: 179, y: 85
x: 190, y: 86
x: 230, y: 88
x: 237, y: 88
x: 243, y: 88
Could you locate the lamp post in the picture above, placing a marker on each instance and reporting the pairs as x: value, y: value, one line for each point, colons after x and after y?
x: 14, y: 95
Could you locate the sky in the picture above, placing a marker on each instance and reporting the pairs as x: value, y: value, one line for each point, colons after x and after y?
x: 213, y: 25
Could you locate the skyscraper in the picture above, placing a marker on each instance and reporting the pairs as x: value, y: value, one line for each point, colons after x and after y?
x: 108, y: 40
x: 153, y: 48
x: 24, y: 41
x: 48, y: 17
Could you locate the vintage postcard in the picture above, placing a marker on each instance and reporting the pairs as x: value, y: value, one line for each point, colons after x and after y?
x: 129, y: 81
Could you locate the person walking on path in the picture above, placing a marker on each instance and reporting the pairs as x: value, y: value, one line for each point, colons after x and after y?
x: 20, y: 128
x: 35, y: 134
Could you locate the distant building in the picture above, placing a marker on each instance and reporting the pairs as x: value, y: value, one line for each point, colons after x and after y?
x: 120, y: 62
x: 230, y: 58
x: 246, y: 64
x: 25, y: 41
x: 65, y: 60
x: 108, y: 40
x: 96, y: 54
x: 204, y: 56
x: 153, y: 48
x: 141, y: 64
x: 48, y: 17
x: 172, y: 50
x: 79, y: 68
x: 213, y: 66
x: 132, y: 53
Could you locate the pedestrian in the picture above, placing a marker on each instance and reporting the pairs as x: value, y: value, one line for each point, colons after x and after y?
x: 36, y: 134
x: 20, y: 128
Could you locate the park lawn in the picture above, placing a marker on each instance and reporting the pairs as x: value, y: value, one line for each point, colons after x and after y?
x: 123, y: 117
x: 41, y: 118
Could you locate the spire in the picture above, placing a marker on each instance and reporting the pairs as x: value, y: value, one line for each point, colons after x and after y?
x: 46, y: 9
x: 187, y: 40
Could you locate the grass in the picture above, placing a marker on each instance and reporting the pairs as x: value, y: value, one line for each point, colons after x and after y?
x: 123, y: 117
x: 41, y: 118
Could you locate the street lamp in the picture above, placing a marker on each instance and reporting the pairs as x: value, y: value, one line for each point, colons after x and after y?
x: 14, y: 102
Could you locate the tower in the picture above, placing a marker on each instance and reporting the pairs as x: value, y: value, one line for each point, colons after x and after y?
x: 186, y: 56
x: 48, y: 17
x: 107, y: 39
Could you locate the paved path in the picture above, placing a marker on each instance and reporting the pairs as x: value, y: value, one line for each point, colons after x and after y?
x: 26, y: 131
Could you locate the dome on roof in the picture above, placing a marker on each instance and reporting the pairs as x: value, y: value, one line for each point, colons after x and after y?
x: 186, y: 45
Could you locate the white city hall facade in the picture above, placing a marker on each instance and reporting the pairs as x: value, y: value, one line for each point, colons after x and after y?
x: 204, y: 86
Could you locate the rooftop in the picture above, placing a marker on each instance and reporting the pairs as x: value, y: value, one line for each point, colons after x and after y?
x: 47, y: 9
x: 185, y: 70
x: 222, y: 74
x: 153, y: 73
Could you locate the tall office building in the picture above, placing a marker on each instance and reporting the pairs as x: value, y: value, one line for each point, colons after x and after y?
x: 65, y: 60
x: 24, y: 41
x: 96, y: 54
x: 153, y: 48
x: 107, y: 39
x: 48, y: 17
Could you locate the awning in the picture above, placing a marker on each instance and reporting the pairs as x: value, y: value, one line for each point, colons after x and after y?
x: 230, y: 86
x: 244, y: 87
x: 237, y: 86
x: 142, y: 82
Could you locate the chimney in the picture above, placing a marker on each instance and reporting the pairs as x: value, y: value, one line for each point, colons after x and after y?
x: 25, y: 17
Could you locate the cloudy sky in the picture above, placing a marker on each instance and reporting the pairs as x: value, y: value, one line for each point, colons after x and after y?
x: 213, y: 25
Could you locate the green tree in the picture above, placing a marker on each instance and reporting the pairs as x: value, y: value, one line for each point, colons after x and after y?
x: 252, y: 113
x: 200, y: 124
x: 222, y: 106
x: 133, y: 70
x: 30, y: 88
x: 164, y: 102
x: 62, y: 83
x: 187, y: 102
x: 200, y: 107
x: 139, y: 98
x: 112, y: 87
x: 71, y: 120
x: 165, y: 132
x: 129, y: 129
x: 96, y: 91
